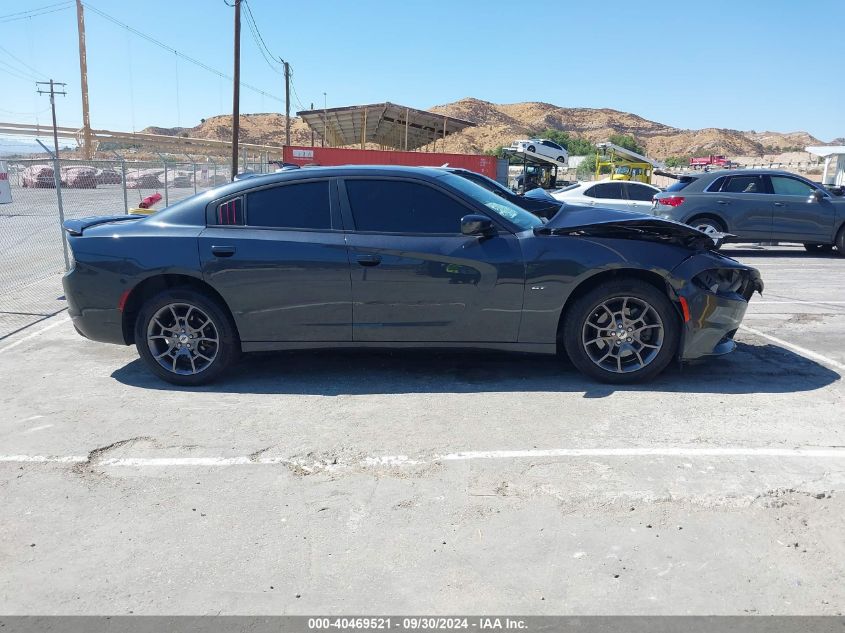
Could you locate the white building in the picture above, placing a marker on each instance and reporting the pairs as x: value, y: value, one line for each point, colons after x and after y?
x: 834, y: 163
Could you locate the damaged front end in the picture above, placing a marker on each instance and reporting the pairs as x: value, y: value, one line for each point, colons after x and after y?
x: 715, y: 291
x: 610, y: 223
x: 710, y: 290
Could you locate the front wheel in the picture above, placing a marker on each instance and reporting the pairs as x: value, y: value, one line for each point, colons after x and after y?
x: 185, y: 338
x: 561, y: 159
x: 622, y: 332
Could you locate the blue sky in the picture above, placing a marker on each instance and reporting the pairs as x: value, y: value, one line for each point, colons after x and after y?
x: 744, y: 65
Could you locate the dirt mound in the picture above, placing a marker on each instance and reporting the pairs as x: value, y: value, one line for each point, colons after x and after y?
x: 500, y: 124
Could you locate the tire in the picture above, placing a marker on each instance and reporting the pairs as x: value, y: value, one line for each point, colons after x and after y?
x: 213, y: 346
x: 709, y: 225
x: 596, y: 355
x: 840, y: 242
x: 531, y: 148
x: 561, y: 159
x: 818, y: 248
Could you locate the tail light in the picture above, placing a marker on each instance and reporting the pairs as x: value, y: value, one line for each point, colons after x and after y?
x: 671, y: 201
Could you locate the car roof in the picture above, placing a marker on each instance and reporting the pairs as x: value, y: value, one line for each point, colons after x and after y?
x: 717, y: 173
x: 421, y: 173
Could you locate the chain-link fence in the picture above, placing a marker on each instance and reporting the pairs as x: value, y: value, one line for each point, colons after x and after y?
x: 31, y: 240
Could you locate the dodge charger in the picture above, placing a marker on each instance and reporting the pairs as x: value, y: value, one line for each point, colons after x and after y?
x: 397, y: 257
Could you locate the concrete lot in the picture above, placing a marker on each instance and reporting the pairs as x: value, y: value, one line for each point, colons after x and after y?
x: 433, y: 483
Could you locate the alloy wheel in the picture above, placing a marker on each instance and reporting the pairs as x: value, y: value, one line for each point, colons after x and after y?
x: 183, y: 339
x: 623, y: 334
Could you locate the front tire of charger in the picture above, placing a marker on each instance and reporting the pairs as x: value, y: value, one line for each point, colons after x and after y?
x: 622, y: 332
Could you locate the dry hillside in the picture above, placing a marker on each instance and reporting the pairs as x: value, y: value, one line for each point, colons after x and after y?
x: 499, y: 124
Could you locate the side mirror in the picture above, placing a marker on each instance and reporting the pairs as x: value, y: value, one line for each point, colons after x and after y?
x: 477, y: 225
x: 816, y: 196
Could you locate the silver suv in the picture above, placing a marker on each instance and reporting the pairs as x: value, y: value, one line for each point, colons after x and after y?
x: 757, y: 205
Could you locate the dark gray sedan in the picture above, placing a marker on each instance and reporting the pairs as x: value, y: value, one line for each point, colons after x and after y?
x: 757, y: 205
x: 396, y: 258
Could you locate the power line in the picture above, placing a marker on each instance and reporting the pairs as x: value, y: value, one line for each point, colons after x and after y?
x: 29, y: 14
x: 19, y: 60
x: 295, y: 93
x: 259, y: 41
x: 164, y: 46
x: 48, y: 6
x: 14, y: 72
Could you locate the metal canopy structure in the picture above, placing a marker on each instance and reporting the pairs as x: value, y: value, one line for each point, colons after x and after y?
x: 385, y: 124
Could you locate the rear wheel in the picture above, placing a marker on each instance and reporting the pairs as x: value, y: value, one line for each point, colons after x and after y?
x: 561, y: 159
x: 840, y: 242
x: 185, y: 338
x: 531, y: 148
x: 622, y: 332
x: 818, y: 248
x: 709, y: 225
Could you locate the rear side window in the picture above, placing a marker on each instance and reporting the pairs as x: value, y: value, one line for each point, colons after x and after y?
x: 606, y: 190
x: 679, y: 184
x: 743, y: 184
x: 396, y: 206
x: 230, y: 212
x: 299, y: 206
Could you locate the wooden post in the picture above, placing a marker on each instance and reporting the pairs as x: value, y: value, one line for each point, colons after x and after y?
x: 83, y: 78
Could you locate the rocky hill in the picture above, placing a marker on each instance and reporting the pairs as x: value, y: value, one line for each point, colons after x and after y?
x: 499, y: 124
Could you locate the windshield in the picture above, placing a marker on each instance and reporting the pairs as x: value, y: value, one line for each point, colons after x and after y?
x: 502, y: 207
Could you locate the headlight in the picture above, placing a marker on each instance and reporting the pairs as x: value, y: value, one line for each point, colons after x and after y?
x: 721, y: 281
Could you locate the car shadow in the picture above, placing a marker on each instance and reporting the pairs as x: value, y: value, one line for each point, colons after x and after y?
x: 750, y: 369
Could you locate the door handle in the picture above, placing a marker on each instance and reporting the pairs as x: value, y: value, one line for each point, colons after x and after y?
x: 222, y: 251
x: 369, y: 260
x: 780, y: 204
x: 722, y: 202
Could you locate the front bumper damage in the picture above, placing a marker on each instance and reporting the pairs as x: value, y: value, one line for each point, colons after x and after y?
x: 714, y: 310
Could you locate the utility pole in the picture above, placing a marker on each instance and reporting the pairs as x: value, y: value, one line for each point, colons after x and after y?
x: 57, y: 169
x: 312, y: 129
x: 325, y: 122
x: 83, y: 76
x: 236, y: 90
x: 287, y: 104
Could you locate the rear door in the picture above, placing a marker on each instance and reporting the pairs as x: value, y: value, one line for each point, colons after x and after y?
x: 797, y: 216
x: 640, y: 197
x: 744, y: 202
x: 609, y: 195
x: 415, y: 277
x: 277, y: 255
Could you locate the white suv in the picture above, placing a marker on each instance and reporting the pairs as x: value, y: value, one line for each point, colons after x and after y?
x: 544, y: 147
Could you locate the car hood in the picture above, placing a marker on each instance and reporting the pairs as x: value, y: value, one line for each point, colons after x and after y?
x: 599, y: 222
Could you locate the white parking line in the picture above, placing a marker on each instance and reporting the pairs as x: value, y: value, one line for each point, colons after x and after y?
x: 34, y: 334
x: 754, y: 302
x: 404, y: 460
x: 803, y: 351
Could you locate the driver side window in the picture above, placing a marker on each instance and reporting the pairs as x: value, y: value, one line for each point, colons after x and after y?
x: 786, y: 186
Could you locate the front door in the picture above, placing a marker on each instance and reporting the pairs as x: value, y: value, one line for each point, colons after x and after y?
x: 797, y: 216
x: 277, y: 255
x: 416, y: 278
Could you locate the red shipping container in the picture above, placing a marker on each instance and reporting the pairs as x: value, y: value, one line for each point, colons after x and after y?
x: 333, y: 156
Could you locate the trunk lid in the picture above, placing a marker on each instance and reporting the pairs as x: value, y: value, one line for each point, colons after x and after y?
x: 78, y: 226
